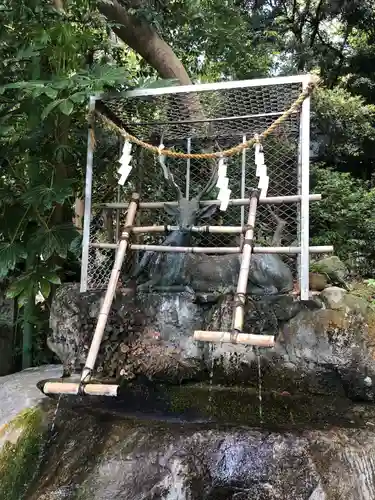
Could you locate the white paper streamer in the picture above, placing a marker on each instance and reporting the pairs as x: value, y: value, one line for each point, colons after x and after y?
x: 224, y: 198
x: 222, y: 182
x: 222, y: 168
x: 263, y: 186
x: 162, y: 161
x: 124, y: 171
x: 261, y: 169
x: 125, y: 160
x: 259, y: 159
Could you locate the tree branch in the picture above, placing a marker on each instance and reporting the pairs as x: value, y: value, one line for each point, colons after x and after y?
x: 143, y: 39
x: 316, y: 23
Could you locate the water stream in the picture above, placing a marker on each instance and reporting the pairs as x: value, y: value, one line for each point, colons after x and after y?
x: 211, y: 374
x: 257, y: 352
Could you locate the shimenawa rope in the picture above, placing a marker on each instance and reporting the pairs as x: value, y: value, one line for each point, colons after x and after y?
x: 218, y: 154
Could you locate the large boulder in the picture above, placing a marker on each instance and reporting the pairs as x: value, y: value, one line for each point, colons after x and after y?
x: 152, y: 462
x: 150, y: 333
x: 330, y: 349
x: 321, y: 346
x: 147, y: 334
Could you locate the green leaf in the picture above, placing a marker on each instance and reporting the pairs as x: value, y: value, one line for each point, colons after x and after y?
x: 52, y: 278
x: 78, y: 97
x: 66, y: 107
x: 51, y: 92
x: 62, y: 84
x: 16, y: 288
x: 27, y: 53
x: 76, y: 246
x: 10, y: 255
x: 52, y: 105
x: 24, y: 297
x: 55, y: 240
x: 45, y: 288
x: 38, y: 91
x: 47, y: 196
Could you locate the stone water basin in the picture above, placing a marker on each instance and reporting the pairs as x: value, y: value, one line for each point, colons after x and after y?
x: 186, y: 442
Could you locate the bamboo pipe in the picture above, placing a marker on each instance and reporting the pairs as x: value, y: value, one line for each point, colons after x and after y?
x: 74, y: 389
x: 111, y: 290
x: 240, y: 297
x: 193, y: 229
x: 235, y: 338
x: 220, y: 250
x: 236, y: 202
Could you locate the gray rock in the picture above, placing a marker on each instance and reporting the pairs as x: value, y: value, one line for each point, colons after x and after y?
x: 19, y: 390
x: 338, y: 298
x: 165, y: 462
x: 334, y: 268
x: 329, y: 350
x: 96, y: 456
x: 333, y: 296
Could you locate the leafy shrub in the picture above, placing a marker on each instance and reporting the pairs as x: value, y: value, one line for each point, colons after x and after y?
x: 344, y: 218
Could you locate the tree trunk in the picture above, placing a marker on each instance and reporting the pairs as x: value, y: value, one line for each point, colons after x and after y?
x: 144, y: 40
x: 79, y: 211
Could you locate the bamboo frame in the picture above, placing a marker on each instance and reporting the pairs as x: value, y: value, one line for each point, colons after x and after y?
x: 235, y: 338
x: 193, y: 229
x: 243, y: 278
x: 71, y: 388
x: 219, y: 250
x: 236, y: 202
x: 110, y: 293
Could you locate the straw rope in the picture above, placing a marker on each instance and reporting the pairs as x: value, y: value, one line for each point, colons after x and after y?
x: 218, y: 154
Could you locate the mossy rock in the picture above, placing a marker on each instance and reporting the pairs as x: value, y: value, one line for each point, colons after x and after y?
x: 339, y: 299
x: 21, y: 442
x: 335, y: 270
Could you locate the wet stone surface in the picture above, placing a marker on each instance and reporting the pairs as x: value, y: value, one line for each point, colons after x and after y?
x: 322, y: 346
x: 198, y: 443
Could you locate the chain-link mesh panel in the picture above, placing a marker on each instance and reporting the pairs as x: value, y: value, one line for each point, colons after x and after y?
x: 199, y: 122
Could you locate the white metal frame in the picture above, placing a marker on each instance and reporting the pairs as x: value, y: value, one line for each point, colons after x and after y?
x: 305, y: 201
x: 303, y: 163
x: 235, y: 84
x: 88, y: 197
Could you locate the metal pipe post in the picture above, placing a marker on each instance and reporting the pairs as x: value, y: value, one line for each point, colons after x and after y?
x: 88, y: 197
x: 243, y: 182
x: 188, y: 167
x: 305, y: 202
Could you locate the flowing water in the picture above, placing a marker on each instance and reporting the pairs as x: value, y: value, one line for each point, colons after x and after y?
x: 211, y: 349
x: 257, y: 352
x: 48, y: 441
x: 55, y: 413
